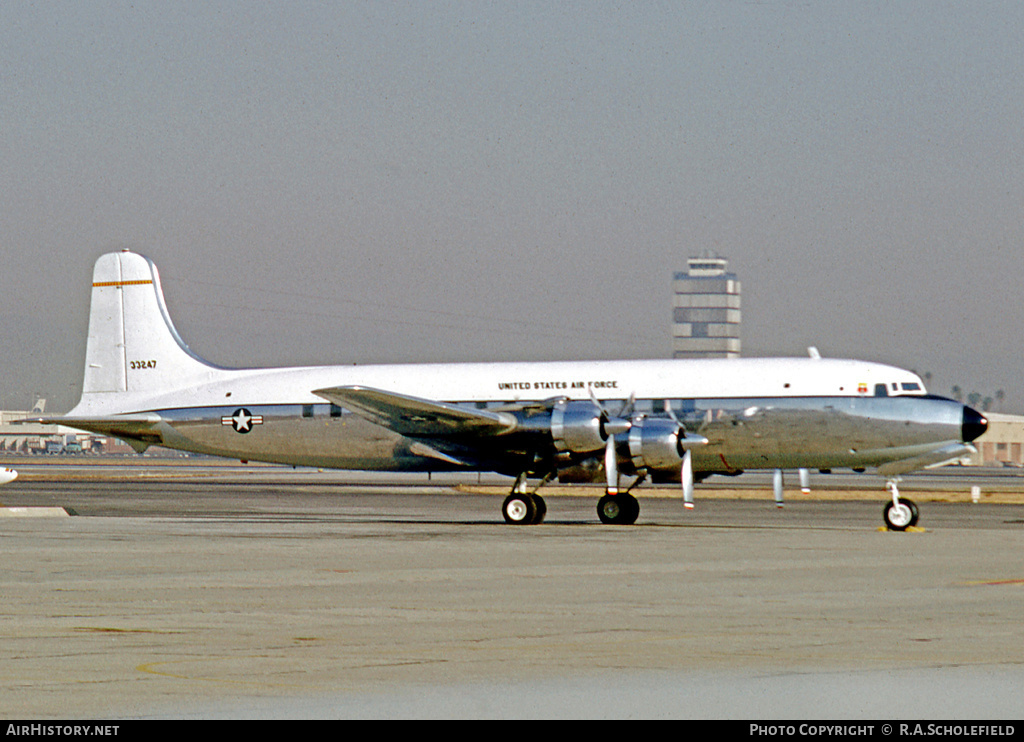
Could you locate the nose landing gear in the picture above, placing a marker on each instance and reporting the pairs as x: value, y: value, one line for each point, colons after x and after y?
x: 900, y: 513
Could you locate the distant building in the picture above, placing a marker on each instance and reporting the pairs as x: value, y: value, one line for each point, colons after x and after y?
x: 18, y: 437
x: 1003, y: 443
x: 706, y: 310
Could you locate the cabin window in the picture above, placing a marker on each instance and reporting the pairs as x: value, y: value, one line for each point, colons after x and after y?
x: 335, y: 410
x: 307, y: 410
x: 682, y: 406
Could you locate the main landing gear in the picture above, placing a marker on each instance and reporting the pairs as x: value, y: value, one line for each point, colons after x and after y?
x: 523, y: 508
x: 529, y: 509
x: 900, y: 513
x: 618, y: 510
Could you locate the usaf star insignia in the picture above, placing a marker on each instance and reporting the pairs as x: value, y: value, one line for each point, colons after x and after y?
x: 242, y: 420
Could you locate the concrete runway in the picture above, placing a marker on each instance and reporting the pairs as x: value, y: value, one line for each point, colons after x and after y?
x: 274, y: 594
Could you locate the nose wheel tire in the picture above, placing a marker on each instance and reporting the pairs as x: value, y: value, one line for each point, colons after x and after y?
x: 900, y: 516
x: 618, y: 510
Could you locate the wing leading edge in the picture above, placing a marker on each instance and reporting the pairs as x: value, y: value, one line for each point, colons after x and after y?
x: 946, y: 454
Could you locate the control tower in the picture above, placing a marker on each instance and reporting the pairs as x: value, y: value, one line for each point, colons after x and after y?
x: 706, y: 310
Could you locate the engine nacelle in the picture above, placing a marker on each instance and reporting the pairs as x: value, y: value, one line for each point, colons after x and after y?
x: 654, y: 444
x: 577, y: 426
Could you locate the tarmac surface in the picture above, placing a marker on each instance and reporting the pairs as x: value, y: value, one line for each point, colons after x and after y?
x: 230, y: 592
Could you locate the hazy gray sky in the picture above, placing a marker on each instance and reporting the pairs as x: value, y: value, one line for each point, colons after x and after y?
x: 401, y: 181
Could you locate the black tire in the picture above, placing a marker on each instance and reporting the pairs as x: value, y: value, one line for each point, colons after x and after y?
x: 900, y: 519
x: 519, y: 510
x: 618, y: 510
x: 542, y: 509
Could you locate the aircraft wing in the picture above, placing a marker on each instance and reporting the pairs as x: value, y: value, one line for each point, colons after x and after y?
x: 418, y: 418
x: 946, y: 454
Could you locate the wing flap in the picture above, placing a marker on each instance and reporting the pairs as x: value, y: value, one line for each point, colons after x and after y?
x: 415, y: 417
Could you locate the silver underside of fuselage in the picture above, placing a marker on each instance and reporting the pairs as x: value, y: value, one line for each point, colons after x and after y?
x: 742, y: 433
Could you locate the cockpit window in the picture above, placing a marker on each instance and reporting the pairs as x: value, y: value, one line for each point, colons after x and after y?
x: 911, y: 386
x: 881, y: 390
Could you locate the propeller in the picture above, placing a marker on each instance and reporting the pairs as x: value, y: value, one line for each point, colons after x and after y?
x: 686, y: 469
x: 612, y: 425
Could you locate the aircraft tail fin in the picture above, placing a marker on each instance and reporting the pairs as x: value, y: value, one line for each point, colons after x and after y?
x: 133, y: 347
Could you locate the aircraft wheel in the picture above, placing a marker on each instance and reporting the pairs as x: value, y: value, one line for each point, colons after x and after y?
x: 542, y: 509
x: 902, y: 516
x: 618, y: 510
x: 519, y: 509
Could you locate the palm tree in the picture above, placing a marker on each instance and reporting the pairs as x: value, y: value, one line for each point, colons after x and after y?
x: 958, y: 393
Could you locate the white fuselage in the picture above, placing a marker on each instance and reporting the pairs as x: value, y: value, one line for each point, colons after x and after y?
x: 513, y: 382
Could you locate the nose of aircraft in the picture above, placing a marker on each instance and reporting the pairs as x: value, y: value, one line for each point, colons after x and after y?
x: 974, y: 425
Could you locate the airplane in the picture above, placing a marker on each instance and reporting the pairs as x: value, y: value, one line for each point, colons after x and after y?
x: 7, y: 475
x: 663, y: 421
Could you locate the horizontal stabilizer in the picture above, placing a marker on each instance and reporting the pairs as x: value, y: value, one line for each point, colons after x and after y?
x: 947, y: 454
x: 141, y: 429
x: 415, y: 417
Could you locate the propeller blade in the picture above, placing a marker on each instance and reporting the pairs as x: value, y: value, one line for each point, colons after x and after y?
x: 611, y: 466
x: 777, y: 486
x: 627, y: 408
x: 686, y: 475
